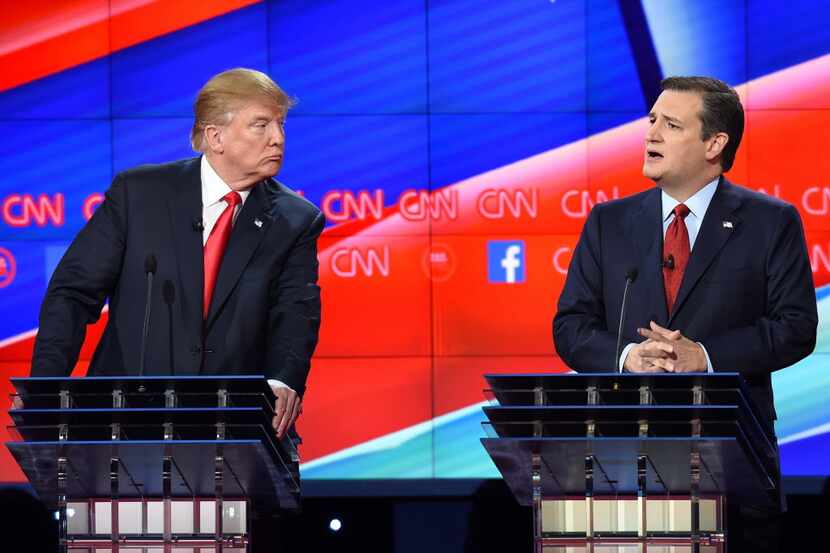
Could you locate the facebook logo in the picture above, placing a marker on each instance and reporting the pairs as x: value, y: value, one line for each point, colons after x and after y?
x: 506, y: 261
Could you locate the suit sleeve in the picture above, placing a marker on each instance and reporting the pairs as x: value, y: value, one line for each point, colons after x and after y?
x: 580, y: 333
x: 83, y: 280
x: 294, y: 313
x: 787, y: 332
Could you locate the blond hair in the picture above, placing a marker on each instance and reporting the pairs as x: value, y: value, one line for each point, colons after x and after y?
x: 226, y: 93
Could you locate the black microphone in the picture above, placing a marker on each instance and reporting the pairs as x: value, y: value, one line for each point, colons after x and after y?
x: 198, y: 225
x: 630, y: 277
x: 168, y: 292
x: 150, y: 266
x: 668, y: 263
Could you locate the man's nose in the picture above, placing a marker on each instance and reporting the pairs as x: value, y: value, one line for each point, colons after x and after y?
x: 652, y: 135
x: 278, y: 135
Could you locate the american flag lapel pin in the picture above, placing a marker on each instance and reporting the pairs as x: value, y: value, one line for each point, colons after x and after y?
x: 727, y: 224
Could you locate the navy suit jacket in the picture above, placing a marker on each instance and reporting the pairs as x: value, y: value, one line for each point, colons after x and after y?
x: 265, y: 313
x: 747, y: 294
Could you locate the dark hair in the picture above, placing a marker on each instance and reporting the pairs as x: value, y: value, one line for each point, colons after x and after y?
x: 722, y: 111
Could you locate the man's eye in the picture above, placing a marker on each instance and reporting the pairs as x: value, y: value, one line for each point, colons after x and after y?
x: 672, y: 125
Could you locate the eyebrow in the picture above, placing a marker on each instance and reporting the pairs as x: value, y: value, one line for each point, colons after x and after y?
x: 669, y: 117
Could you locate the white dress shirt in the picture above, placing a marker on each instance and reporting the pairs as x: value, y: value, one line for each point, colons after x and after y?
x: 698, y: 204
x: 213, y: 190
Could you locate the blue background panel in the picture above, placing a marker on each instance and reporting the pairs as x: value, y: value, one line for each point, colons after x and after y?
x: 355, y: 153
x: 35, y: 263
x: 506, y: 57
x: 612, y: 80
x: 157, y: 140
x: 782, y: 34
x: 704, y: 37
x: 80, y: 93
x: 53, y: 156
x: 462, y: 146
x: 162, y: 76
x: 350, y: 56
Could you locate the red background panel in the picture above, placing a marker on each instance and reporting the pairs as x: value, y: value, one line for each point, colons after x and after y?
x: 353, y: 400
x: 475, y: 317
x: 549, y: 175
x: 787, y: 150
x: 799, y: 87
x: 374, y: 314
x: 41, y: 38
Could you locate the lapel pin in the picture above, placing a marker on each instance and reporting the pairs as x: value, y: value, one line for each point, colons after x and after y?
x: 727, y: 224
x: 258, y: 222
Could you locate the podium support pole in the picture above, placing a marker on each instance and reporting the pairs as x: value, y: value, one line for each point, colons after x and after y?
x: 115, y: 469
x: 219, y: 471
x: 167, y: 472
x: 63, y: 463
x: 694, y: 471
x: 536, y: 479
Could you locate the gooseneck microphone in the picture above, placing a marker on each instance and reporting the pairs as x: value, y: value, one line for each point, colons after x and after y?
x: 168, y: 292
x: 150, y: 266
x: 630, y: 277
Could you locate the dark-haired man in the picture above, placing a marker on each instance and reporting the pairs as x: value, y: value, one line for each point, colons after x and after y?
x: 724, y: 281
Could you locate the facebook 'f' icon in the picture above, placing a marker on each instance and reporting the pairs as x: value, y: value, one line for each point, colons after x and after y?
x: 506, y: 261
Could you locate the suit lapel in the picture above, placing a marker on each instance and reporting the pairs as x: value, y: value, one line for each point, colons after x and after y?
x: 250, y: 227
x: 185, y: 210
x: 712, y: 236
x: 646, y: 230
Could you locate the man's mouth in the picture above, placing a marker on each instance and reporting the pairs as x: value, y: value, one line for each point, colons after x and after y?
x: 654, y: 155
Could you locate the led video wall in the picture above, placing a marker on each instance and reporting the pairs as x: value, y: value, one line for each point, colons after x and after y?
x: 455, y: 147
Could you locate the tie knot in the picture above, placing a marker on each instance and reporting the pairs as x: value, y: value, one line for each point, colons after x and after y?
x: 233, y: 198
x: 681, y: 211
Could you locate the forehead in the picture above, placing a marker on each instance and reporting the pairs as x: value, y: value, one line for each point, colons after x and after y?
x: 256, y: 109
x: 680, y: 104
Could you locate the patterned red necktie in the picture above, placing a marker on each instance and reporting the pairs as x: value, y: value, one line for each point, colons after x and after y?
x: 215, y: 247
x: 675, y: 254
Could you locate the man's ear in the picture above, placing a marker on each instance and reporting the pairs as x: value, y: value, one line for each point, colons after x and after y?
x: 213, y: 138
x: 715, y: 145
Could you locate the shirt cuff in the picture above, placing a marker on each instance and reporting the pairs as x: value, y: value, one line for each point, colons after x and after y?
x: 279, y: 384
x: 623, y: 355
x: 709, y: 368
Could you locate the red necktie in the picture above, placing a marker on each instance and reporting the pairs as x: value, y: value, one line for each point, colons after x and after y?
x: 675, y: 254
x: 215, y: 247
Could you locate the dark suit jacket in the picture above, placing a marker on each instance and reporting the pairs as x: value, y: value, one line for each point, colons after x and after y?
x: 747, y: 294
x: 265, y: 312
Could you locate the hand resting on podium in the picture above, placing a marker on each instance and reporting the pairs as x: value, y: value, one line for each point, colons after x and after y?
x: 669, y: 351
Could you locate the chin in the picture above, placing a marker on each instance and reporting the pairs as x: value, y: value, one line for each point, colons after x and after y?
x: 651, y: 173
x: 270, y: 169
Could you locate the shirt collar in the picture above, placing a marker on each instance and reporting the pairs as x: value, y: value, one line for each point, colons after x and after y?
x: 213, y: 187
x: 697, y: 204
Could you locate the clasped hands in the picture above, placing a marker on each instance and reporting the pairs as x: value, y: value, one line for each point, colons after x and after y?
x: 665, y: 350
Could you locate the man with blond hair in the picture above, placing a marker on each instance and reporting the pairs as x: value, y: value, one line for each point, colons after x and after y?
x: 233, y: 253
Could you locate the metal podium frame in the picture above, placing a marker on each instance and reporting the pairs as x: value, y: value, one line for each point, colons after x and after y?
x: 150, y: 440
x: 630, y: 438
